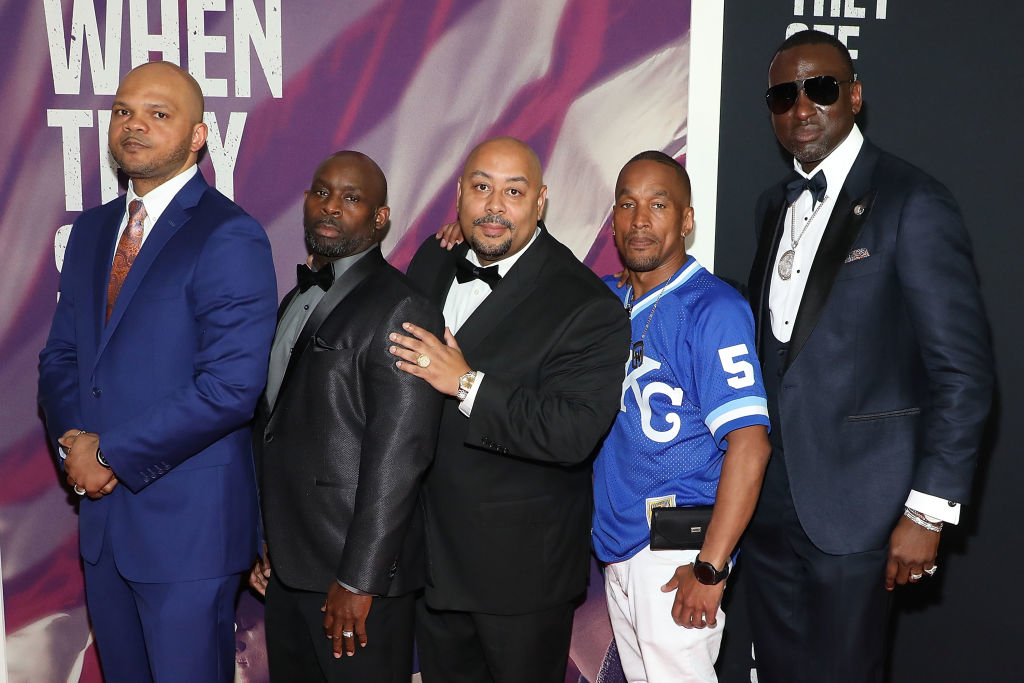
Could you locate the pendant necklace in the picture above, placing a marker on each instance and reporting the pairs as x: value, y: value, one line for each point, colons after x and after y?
x: 786, y: 262
x: 637, y: 349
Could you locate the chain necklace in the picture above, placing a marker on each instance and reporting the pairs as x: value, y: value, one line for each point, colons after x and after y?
x: 637, y: 349
x: 786, y: 262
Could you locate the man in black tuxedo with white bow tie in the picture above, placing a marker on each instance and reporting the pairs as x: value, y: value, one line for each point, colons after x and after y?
x: 878, y: 371
x: 532, y: 363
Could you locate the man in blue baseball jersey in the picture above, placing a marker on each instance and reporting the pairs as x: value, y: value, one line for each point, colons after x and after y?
x: 692, y: 430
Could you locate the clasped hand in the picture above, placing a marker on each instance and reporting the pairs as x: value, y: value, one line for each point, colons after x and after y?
x: 81, y: 465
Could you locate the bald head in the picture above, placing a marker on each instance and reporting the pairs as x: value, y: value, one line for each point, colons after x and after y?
x: 508, y: 147
x: 374, y: 185
x: 345, y: 208
x: 173, y: 76
x: 501, y: 197
x: 156, y: 124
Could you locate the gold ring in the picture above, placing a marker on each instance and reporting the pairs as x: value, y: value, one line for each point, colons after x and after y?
x: 79, y: 490
x: 423, y: 360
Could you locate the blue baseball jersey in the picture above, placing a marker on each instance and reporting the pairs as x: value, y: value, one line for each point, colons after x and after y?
x: 699, y: 380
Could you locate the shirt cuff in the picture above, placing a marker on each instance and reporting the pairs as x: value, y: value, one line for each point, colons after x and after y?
x: 352, y: 589
x: 933, y: 506
x: 466, y: 407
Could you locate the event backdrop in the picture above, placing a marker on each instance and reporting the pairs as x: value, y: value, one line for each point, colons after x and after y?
x: 413, y: 83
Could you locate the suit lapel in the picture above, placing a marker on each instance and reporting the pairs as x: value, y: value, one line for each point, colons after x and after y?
x: 437, y: 289
x: 515, y: 286
x: 852, y: 208
x: 177, y: 213
x: 761, y: 271
x: 341, y: 288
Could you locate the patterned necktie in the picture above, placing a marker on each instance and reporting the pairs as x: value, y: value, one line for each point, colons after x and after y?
x: 127, y: 249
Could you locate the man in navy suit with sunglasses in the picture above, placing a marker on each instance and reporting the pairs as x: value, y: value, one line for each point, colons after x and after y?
x: 878, y: 370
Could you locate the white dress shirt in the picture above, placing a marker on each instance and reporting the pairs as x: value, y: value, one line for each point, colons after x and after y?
x: 465, y: 297
x: 155, y: 202
x: 784, y: 295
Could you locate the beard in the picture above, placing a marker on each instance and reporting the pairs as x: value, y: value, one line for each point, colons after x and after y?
x: 338, y: 247
x: 174, y: 159
x: 489, y: 250
x: 638, y: 263
x: 641, y: 264
x: 811, y: 153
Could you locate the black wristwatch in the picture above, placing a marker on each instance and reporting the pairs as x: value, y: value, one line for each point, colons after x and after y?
x: 100, y: 459
x: 707, y: 574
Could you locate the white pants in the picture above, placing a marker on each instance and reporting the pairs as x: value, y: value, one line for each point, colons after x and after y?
x: 652, y: 647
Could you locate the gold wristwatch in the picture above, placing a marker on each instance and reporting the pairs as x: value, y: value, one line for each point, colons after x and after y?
x: 465, y: 384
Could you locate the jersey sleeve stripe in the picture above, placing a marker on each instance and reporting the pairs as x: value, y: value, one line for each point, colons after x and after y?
x: 735, y: 410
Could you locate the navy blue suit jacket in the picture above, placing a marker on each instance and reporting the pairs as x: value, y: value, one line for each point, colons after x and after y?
x: 888, y: 379
x: 169, y: 383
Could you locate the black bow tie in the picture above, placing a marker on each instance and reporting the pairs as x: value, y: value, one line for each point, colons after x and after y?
x: 815, y: 185
x: 307, y: 278
x: 466, y: 271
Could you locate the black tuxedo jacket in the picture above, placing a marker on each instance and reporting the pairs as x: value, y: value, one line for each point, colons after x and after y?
x: 343, y: 451
x: 888, y: 378
x: 508, y: 498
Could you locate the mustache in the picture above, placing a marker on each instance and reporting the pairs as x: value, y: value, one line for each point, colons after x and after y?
x: 326, y: 220
x: 639, y: 232
x: 494, y: 218
x: 134, y: 138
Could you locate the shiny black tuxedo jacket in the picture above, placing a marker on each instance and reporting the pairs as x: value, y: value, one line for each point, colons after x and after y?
x: 343, y: 451
x: 888, y: 378
x: 508, y: 498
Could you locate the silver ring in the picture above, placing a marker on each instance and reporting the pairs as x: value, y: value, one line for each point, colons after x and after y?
x: 79, y: 490
x: 423, y: 360
x: 915, y: 577
x: 347, y: 634
x: 931, y: 572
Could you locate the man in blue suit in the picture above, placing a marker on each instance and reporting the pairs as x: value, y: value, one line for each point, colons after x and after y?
x: 155, y: 361
x: 878, y: 372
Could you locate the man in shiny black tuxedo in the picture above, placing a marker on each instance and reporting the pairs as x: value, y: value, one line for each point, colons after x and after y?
x: 532, y: 362
x: 343, y: 438
x: 878, y: 371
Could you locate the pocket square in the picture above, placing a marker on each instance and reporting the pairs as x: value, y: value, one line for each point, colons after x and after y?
x: 856, y: 255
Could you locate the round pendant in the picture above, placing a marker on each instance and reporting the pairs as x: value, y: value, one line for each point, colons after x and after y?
x: 786, y: 265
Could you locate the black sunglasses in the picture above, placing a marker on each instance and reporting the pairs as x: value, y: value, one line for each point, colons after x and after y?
x: 823, y: 90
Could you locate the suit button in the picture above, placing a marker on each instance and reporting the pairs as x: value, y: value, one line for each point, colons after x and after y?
x: 268, y: 438
x: 97, y: 392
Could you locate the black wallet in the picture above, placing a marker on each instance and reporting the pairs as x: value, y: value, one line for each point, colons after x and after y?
x: 679, y: 528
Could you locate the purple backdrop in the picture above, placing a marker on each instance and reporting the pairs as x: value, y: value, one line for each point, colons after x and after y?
x: 414, y: 84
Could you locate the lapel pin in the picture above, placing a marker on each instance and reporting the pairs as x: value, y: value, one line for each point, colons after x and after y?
x: 859, y: 209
